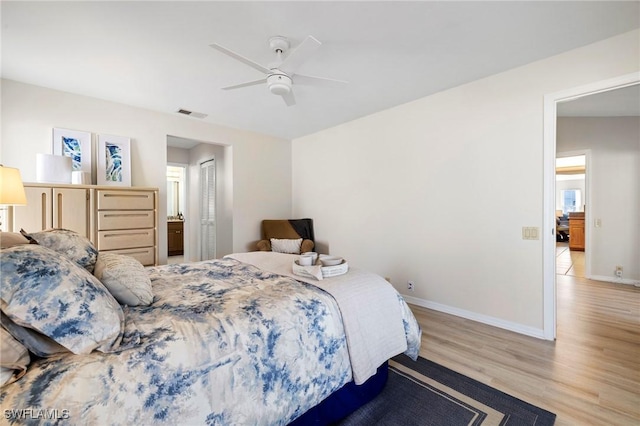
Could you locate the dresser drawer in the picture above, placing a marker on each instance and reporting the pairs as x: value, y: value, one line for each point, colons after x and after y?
x: 125, y: 219
x: 144, y: 255
x: 113, y: 240
x: 125, y: 200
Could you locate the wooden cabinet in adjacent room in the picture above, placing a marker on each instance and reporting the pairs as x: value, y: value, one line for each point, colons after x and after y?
x: 576, y: 231
x: 175, y: 238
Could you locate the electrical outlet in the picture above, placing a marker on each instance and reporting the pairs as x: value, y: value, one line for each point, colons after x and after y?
x: 410, y: 285
x: 619, y: 271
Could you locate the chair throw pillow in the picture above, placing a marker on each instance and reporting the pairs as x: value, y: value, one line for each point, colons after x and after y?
x: 286, y: 246
x: 125, y: 278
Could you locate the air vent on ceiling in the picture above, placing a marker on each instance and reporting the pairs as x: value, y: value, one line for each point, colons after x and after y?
x: 191, y: 113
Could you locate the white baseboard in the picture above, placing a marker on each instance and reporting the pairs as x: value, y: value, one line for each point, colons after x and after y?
x: 615, y: 280
x: 484, y: 319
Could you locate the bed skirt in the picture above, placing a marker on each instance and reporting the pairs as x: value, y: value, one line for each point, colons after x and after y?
x: 344, y: 401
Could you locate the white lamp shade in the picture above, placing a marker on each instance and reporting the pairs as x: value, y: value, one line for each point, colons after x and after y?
x: 53, y: 168
x: 11, y: 188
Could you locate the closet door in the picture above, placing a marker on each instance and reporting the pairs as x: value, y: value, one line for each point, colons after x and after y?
x: 207, y: 210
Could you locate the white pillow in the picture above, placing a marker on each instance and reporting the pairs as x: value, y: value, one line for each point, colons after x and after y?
x: 14, y: 360
x: 125, y: 278
x: 10, y: 239
x: 286, y: 246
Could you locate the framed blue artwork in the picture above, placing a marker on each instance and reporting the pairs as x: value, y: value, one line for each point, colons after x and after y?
x: 114, y: 160
x: 74, y: 144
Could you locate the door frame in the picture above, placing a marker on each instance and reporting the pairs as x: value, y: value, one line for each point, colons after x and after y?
x: 549, y: 155
x: 185, y: 208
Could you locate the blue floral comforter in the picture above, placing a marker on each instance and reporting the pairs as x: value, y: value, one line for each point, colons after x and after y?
x: 223, y: 343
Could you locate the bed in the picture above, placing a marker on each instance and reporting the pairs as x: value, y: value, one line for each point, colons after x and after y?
x: 238, y: 340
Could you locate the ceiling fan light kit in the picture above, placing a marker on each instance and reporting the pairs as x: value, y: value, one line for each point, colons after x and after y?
x: 281, y: 75
x: 279, y: 84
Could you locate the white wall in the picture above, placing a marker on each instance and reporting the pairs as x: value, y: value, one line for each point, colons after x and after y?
x: 261, y: 164
x: 614, y: 175
x: 177, y: 155
x: 437, y: 190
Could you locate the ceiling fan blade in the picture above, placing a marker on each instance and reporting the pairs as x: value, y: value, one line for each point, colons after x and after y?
x: 299, y: 55
x: 289, y: 99
x: 310, y: 80
x: 241, y: 58
x: 248, y: 83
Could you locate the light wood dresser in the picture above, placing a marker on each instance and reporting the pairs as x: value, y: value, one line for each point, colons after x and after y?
x: 119, y: 220
x: 67, y: 206
x: 126, y: 223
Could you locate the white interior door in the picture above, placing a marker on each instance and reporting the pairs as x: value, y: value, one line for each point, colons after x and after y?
x: 207, y: 210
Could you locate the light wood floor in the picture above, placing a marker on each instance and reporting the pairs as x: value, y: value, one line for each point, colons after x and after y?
x: 569, y: 262
x: 589, y: 376
x: 174, y: 259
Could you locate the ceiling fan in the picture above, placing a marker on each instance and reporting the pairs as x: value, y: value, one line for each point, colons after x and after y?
x: 281, y: 76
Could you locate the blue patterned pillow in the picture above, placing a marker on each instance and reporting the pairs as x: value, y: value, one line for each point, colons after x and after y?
x: 47, y: 292
x: 70, y: 244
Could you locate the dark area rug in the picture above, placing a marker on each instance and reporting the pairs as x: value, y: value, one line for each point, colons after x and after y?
x: 425, y: 393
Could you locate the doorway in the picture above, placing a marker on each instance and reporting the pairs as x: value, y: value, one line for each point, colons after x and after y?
x: 551, y: 102
x: 191, y: 153
x: 176, y: 211
x: 571, y: 202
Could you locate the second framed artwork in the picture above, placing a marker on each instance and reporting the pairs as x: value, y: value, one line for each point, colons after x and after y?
x: 114, y: 160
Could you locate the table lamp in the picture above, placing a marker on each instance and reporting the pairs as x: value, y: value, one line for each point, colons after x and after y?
x: 11, y: 188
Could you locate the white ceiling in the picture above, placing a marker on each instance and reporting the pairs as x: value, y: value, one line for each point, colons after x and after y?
x: 623, y: 102
x: 156, y: 55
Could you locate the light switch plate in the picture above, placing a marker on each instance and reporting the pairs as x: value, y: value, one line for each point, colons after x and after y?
x: 530, y: 233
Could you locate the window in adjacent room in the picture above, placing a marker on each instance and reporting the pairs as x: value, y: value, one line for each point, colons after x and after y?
x: 571, y: 200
